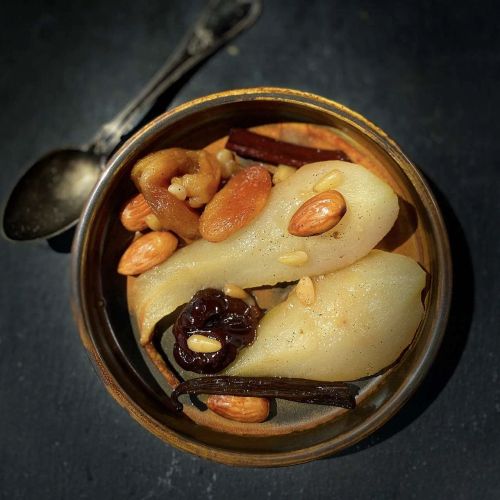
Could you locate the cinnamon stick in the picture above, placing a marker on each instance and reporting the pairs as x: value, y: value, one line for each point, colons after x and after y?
x: 259, y: 147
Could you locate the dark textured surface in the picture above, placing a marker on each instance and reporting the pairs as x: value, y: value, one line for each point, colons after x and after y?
x: 426, y: 72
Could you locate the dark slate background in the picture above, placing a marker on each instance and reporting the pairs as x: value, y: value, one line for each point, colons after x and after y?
x: 425, y: 71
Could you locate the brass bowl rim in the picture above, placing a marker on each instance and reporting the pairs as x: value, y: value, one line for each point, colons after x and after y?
x: 351, y: 436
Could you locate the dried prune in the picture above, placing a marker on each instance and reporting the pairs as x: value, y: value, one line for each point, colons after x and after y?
x: 210, y: 312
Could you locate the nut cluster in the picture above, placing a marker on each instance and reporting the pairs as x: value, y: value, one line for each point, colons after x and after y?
x: 161, y: 208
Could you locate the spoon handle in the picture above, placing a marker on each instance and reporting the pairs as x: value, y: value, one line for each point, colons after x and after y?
x: 220, y: 22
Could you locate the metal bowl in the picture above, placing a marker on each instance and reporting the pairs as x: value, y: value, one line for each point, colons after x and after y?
x: 99, y: 298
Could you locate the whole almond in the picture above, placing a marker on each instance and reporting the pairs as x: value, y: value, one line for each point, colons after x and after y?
x: 240, y: 408
x: 134, y: 213
x: 318, y: 214
x: 236, y: 204
x: 146, y: 252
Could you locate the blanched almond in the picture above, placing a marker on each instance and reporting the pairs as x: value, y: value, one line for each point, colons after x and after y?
x: 236, y: 204
x: 318, y: 214
x: 240, y: 408
x: 134, y: 213
x: 146, y: 252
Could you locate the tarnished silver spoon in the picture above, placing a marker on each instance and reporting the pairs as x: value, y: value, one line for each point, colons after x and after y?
x: 49, y: 197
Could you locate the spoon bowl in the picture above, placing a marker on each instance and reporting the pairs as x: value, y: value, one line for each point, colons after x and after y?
x: 48, y: 198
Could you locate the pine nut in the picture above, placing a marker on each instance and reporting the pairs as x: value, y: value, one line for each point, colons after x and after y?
x: 235, y: 291
x: 282, y: 173
x: 224, y: 156
x: 227, y: 162
x: 297, y: 258
x: 330, y: 181
x: 194, y: 203
x: 228, y: 169
x: 178, y: 190
x: 202, y: 343
x: 153, y: 223
x: 305, y: 291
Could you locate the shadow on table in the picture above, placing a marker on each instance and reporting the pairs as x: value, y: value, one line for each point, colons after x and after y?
x: 455, y: 338
x: 62, y: 242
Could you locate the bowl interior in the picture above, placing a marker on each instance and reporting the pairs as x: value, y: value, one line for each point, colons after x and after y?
x: 100, y: 298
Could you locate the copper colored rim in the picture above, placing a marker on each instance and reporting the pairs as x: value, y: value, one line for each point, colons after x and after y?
x: 344, y: 440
